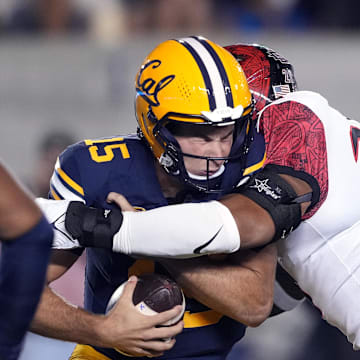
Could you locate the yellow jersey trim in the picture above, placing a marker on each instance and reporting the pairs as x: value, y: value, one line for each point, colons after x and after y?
x: 54, y: 194
x: 86, y: 352
x: 70, y: 181
x: 91, y: 142
x: 256, y: 166
x: 204, y: 318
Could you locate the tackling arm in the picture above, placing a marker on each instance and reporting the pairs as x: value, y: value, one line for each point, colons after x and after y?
x: 267, y: 208
x: 262, y: 211
x: 120, y: 231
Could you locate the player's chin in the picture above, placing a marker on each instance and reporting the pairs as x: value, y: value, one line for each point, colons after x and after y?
x: 207, y: 173
x: 212, y: 172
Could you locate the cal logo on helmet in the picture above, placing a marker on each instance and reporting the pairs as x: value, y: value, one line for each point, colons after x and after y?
x: 188, y: 80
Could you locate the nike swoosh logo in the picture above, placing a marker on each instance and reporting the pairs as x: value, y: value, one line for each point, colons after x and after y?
x: 198, y: 249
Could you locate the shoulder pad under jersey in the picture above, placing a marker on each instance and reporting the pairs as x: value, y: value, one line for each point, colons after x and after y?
x: 83, y: 168
x: 66, y: 182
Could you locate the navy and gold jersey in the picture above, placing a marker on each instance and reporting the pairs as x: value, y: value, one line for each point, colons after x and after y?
x: 88, y: 171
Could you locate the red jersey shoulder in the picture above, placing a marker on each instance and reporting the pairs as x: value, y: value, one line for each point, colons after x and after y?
x: 295, y: 137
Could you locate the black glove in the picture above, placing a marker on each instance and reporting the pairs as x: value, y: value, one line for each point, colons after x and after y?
x: 92, y: 227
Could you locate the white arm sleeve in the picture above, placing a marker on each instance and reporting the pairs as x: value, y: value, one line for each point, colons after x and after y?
x: 54, y: 211
x: 182, y: 231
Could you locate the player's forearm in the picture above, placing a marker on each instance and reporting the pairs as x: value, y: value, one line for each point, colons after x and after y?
x: 254, y: 224
x: 58, y: 319
x: 240, y: 287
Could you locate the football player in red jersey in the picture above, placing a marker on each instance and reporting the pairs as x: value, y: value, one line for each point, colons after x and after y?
x: 26, y: 239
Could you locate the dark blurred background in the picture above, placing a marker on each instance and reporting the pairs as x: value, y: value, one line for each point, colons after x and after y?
x: 80, y: 16
x: 66, y: 73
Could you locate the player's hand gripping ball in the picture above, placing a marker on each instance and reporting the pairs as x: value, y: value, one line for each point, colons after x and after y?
x: 154, y: 293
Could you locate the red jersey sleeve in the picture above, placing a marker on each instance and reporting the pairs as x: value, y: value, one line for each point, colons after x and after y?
x: 295, y: 137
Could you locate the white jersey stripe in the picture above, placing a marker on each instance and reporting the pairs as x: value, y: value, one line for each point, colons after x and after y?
x: 63, y: 190
x: 212, y: 70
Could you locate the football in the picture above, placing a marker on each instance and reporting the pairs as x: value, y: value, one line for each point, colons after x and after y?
x: 154, y: 293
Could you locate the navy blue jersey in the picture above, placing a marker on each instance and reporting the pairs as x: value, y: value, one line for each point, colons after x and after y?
x: 88, y: 171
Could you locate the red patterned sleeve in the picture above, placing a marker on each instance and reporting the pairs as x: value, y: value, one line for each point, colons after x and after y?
x: 295, y: 137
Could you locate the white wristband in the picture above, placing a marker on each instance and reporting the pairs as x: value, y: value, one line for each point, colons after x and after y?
x: 54, y: 211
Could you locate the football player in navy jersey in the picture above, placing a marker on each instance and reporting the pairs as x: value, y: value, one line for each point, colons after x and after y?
x: 197, y: 141
x: 26, y: 239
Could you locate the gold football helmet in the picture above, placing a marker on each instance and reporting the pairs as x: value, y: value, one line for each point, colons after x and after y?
x: 190, y: 80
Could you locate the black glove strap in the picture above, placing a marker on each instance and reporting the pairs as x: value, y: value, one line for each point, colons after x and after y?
x: 92, y: 227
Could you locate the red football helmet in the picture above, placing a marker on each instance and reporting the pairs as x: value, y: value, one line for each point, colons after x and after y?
x: 269, y: 75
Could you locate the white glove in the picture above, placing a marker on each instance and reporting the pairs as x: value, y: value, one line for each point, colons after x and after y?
x: 54, y: 211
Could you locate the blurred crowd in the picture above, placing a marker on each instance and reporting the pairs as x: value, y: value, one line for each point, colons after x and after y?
x: 119, y: 17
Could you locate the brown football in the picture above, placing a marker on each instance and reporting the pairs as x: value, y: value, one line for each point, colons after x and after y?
x: 154, y: 293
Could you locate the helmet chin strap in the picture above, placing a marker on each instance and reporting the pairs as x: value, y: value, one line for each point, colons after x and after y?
x: 199, y: 177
